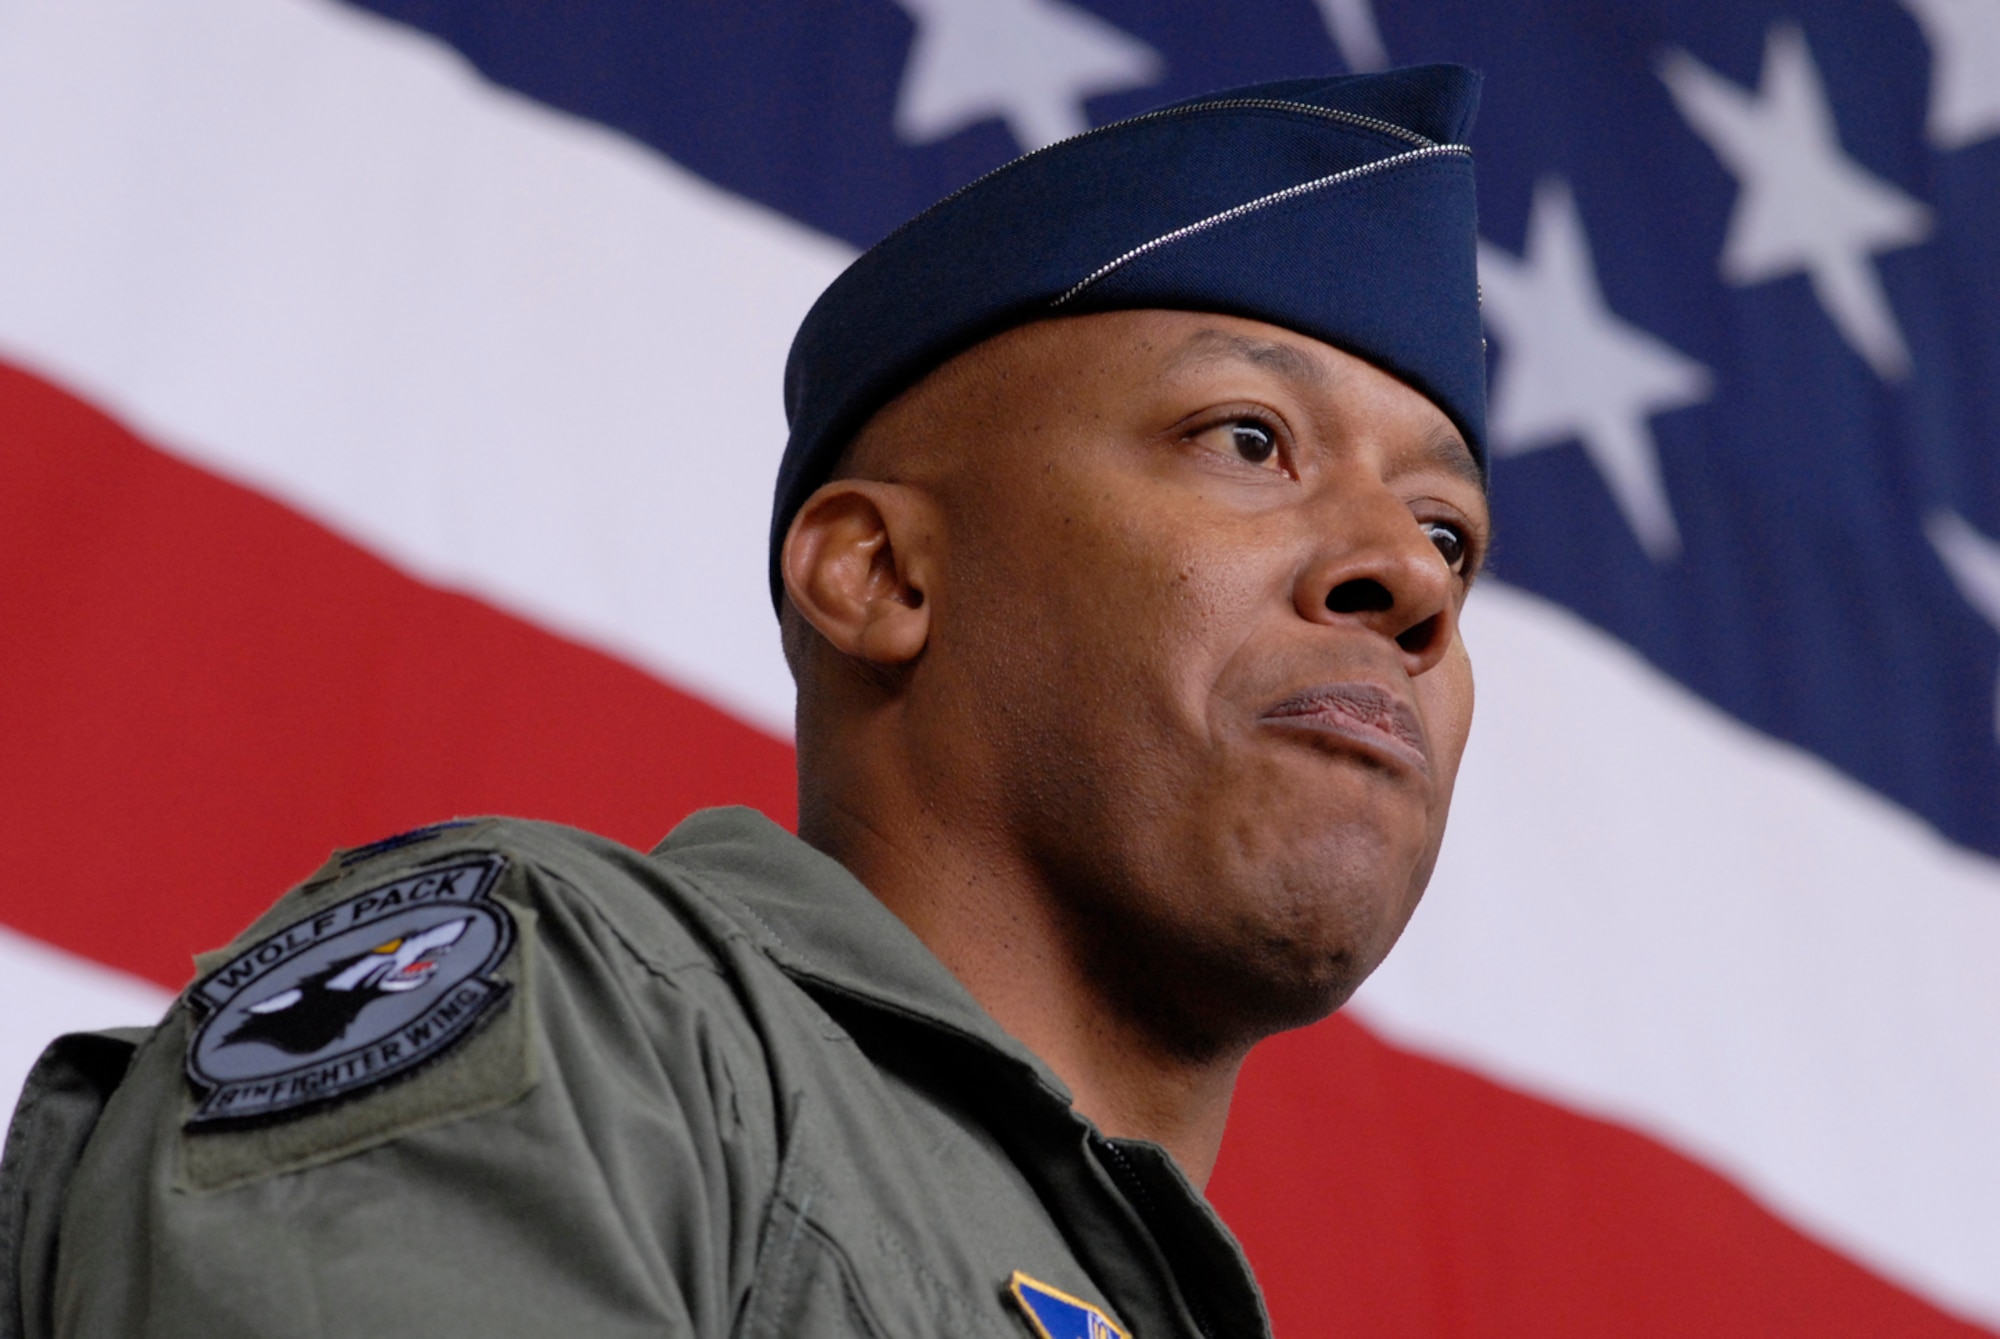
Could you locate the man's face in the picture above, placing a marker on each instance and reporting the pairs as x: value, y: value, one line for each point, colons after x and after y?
x: 1196, y: 633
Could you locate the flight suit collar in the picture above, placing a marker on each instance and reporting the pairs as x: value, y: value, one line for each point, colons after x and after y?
x: 820, y: 925
x: 1145, y: 1233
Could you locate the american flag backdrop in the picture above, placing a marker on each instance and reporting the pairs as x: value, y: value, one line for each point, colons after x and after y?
x: 389, y: 403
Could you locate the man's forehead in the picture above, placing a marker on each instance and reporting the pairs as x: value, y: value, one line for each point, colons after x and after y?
x: 1208, y: 345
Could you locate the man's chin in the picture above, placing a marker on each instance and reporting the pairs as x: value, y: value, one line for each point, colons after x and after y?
x: 1302, y: 986
x: 1214, y: 997
x: 1308, y: 960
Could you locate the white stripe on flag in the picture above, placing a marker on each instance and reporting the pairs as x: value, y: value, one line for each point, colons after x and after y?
x: 45, y: 992
x: 509, y: 350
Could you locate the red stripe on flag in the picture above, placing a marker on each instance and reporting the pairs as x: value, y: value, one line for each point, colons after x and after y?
x: 1380, y: 1193
x: 204, y: 692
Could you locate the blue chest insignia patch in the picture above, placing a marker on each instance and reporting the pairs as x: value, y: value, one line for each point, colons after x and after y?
x: 1057, y: 1315
x: 357, y: 994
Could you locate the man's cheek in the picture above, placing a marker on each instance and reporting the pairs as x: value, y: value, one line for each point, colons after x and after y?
x: 1446, y: 695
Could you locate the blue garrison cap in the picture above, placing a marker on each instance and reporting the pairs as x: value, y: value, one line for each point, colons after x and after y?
x: 1341, y: 208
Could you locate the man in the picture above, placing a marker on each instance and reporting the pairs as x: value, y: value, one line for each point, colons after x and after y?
x: 1132, y: 498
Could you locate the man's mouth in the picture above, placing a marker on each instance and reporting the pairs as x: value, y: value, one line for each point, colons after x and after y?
x: 1365, y: 713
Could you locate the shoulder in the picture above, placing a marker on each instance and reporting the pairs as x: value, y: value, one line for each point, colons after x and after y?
x: 513, y: 870
x: 434, y: 977
x: 441, y: 973
x: 475, y: 1033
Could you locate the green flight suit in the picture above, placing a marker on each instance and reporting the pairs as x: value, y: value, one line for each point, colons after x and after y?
x: 717, y: 1090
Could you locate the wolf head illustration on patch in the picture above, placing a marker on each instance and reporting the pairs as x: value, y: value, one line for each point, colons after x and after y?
x: 319, y: 1010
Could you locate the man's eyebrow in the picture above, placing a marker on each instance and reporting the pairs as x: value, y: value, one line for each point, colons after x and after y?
x: 1211, y: 345
x: 1444, y: 449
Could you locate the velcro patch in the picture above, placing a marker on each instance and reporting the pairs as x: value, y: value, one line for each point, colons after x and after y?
x: 415, y: 836
x: 359, y: 993
x: 1057, y: 1315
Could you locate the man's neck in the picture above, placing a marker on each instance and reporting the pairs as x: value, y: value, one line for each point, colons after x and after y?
x: 1001, y: 933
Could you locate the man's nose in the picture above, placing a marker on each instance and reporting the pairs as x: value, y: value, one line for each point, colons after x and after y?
x: 1376, y: 568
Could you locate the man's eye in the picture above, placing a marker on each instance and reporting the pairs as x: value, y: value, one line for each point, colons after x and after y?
x: 1252, y: 441
x: 1248, y: 439
x: 1450, y: 542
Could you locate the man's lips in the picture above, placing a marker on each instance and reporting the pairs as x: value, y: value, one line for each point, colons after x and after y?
x: 1363, y: 712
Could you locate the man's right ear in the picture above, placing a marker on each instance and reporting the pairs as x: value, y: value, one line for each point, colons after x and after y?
x: 857, y: 561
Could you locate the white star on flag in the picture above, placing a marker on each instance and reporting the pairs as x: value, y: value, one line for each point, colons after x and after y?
x: 1974, y: 563
x: 1571, y: 370
x: 1354, y: 30
x: 1804, y: 205
x: 1029, y: 62
x: 1964, y: 36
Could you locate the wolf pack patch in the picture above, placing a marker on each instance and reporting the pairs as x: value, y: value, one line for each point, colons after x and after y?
x: 357, y: 994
